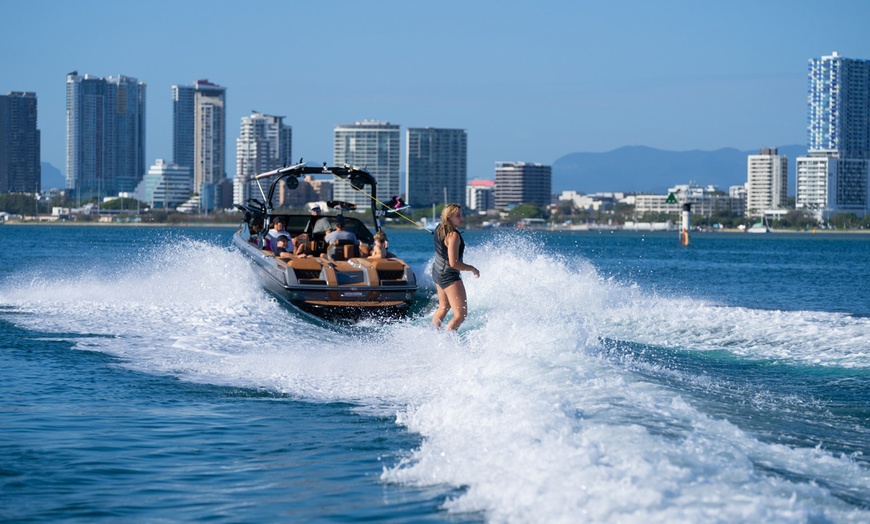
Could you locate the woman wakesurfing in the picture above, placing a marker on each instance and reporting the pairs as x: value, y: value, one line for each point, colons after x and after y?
x: 449, y: 248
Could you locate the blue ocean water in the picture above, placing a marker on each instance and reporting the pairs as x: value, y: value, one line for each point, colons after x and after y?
x: 600, y: 377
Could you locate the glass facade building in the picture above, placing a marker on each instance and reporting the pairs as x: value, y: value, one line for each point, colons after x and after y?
x: 436, y: 166
x: 105, y: 149
x: 20, y: 169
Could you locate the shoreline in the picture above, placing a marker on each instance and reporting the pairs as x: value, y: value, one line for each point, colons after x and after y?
x: 120, y: 224
x: 229, y: 225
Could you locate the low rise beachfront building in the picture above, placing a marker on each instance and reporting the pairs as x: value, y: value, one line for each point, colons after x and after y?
x: 166, y: 185
x: 480, y: 195
x: 738, y: 199
x: 594, y: 201
x: 706, y: 201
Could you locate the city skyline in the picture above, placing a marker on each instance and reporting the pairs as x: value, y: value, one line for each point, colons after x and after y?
x: 527, y: 83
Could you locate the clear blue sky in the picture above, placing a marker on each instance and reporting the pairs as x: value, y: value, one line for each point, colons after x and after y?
x: 529, y: 81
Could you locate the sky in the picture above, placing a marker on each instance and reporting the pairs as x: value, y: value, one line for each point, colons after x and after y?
x: 528, y: 81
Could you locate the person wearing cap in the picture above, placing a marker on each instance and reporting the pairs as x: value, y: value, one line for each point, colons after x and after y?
x: 315, y: 210
x: 283, y: 247
x: 340, y: 233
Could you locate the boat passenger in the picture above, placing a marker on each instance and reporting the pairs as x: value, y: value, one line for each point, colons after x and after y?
x: 449, y: 249
x: 254, y: 230
x: 379, y: 247
x: 340, y: 234
x: 324, y: 225
x: 276, y: 231
x: 282, y: 247
x: 300, y: 245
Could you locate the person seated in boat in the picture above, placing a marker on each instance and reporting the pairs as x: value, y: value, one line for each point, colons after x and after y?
x: 283, y: 247
x: 379, y: 246
x: 254, y: 231
x: 286, y: 247
x: 300, y: 245
x: 335, y: 239
x: 340, y: 234
x: 276, y: 231
x: 324, y: 225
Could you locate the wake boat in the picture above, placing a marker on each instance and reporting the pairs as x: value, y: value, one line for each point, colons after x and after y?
x: 337, y: 281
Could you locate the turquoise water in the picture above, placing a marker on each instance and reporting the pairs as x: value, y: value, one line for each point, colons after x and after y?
x: 600, y: 377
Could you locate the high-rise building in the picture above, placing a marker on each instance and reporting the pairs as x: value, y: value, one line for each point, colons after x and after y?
x: 105, y: 135
x: 519, y: 183
x: 480, y: 195
x: 369, y: 145
x: 835, y: 176
x: 199, y: 140
x: 182, y: 126
x: 766, y: 183
x: 264, y: 144
x: 436, y: 166
x: 166, y: 185
x: 20, y: 170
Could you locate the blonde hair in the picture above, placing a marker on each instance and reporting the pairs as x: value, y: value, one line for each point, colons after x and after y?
x: 446, y: 227
x: 380, y: 236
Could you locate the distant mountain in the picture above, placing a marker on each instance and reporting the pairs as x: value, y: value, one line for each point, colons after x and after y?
x: 649, y: 170
x: 52, y: 177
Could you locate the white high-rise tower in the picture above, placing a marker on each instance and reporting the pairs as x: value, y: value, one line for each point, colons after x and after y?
x: 766, y: 183
x: 264, y: 144
x: 199, y: 140
x: 835, y: 176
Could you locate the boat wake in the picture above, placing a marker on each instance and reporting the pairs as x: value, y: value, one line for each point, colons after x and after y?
x: 529, y: 407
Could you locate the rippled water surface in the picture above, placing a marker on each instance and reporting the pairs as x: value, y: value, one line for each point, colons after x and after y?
x: 600, y: 377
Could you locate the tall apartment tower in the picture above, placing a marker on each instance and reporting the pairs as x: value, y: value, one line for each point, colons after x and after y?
x: 766, y: 183
x: 20, y: 170
x: 105, y: 135
x: 436, y: 165
x: 199, y: 139
x: 519, y: 183
x: 371, y: 145
x: 264, y: 143
x: 835, y: 175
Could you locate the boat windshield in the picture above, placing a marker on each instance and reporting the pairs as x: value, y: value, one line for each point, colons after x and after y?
x: 353, y: 225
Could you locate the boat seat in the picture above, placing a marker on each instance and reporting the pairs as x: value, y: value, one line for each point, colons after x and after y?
x: 309, y: 264
x: 342, y: 251
x: 385, y: 264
